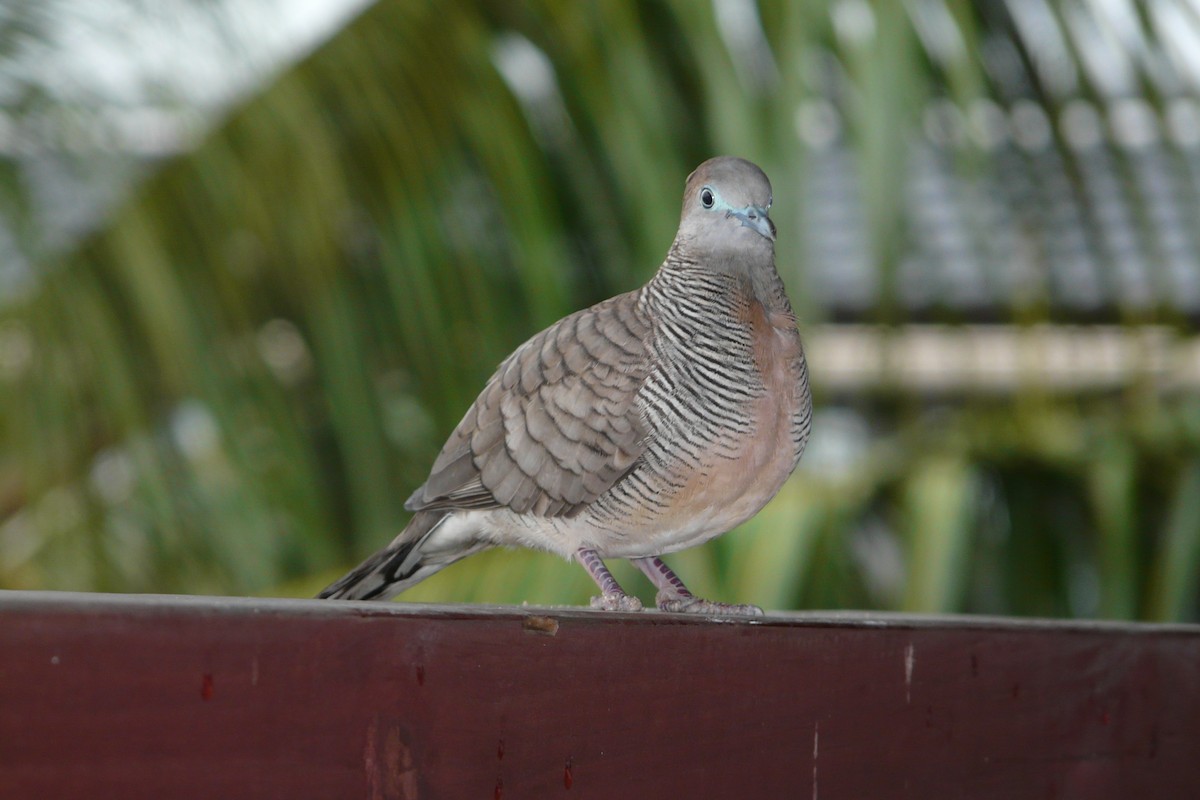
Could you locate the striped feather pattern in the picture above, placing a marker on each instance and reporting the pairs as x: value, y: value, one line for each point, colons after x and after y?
x: 642, y: 425
x: 701, y: 399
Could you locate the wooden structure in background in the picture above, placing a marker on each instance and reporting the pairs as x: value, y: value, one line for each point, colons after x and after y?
x: 174, y: 697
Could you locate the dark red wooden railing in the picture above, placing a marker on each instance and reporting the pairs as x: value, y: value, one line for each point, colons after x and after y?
x: 175, y: 697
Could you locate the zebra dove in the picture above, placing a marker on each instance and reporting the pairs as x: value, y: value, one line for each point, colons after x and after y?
x: 646, y: 424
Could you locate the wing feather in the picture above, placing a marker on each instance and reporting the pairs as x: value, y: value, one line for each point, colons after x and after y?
x: 558, y: 423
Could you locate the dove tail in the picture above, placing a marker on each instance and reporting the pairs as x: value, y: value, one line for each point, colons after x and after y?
x: 396, y: 567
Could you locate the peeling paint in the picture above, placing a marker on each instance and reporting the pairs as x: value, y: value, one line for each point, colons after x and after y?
x: 910, y: 661
x: 816, y: 750
x: 391, y: 771
x: 546, y: 626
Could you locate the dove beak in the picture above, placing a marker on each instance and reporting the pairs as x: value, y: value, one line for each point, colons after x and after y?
x: 755, y: 217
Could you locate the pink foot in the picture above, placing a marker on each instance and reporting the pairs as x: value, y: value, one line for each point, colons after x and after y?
x: 691, y: 604
x: 617, y: 602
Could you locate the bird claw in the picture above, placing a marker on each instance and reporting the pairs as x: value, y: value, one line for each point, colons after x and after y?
x: 617, y: 602
x: 679, y: 604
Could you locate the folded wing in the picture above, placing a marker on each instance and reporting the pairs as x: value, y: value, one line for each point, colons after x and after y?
x: 558, y: 423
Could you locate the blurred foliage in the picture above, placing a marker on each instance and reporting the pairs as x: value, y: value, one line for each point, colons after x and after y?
x: 232, y: 385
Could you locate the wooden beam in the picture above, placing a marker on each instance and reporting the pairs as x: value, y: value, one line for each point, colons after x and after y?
x: 1000, y: 359
x: 177, y: 697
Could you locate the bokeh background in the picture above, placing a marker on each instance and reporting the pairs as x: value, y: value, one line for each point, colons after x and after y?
x: 258, y: 256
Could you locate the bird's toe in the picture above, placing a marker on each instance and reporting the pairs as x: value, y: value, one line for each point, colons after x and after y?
x: 698, y: 605
x: 617, y: 602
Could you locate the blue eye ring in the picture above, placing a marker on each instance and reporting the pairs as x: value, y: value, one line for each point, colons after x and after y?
x: 707, y: 198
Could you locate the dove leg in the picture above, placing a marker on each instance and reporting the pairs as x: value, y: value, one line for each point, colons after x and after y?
x: 674, y: 596
x: 612, y: 596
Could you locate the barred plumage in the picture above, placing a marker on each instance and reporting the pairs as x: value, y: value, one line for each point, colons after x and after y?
x: 645, y: 424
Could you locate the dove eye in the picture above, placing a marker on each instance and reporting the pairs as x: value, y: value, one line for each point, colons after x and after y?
x: 706, y: 197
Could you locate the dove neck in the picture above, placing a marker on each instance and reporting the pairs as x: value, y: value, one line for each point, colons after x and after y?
x: 749, y: 275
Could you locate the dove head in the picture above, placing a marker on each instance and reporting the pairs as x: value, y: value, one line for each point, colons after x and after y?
x: 724, y: 219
